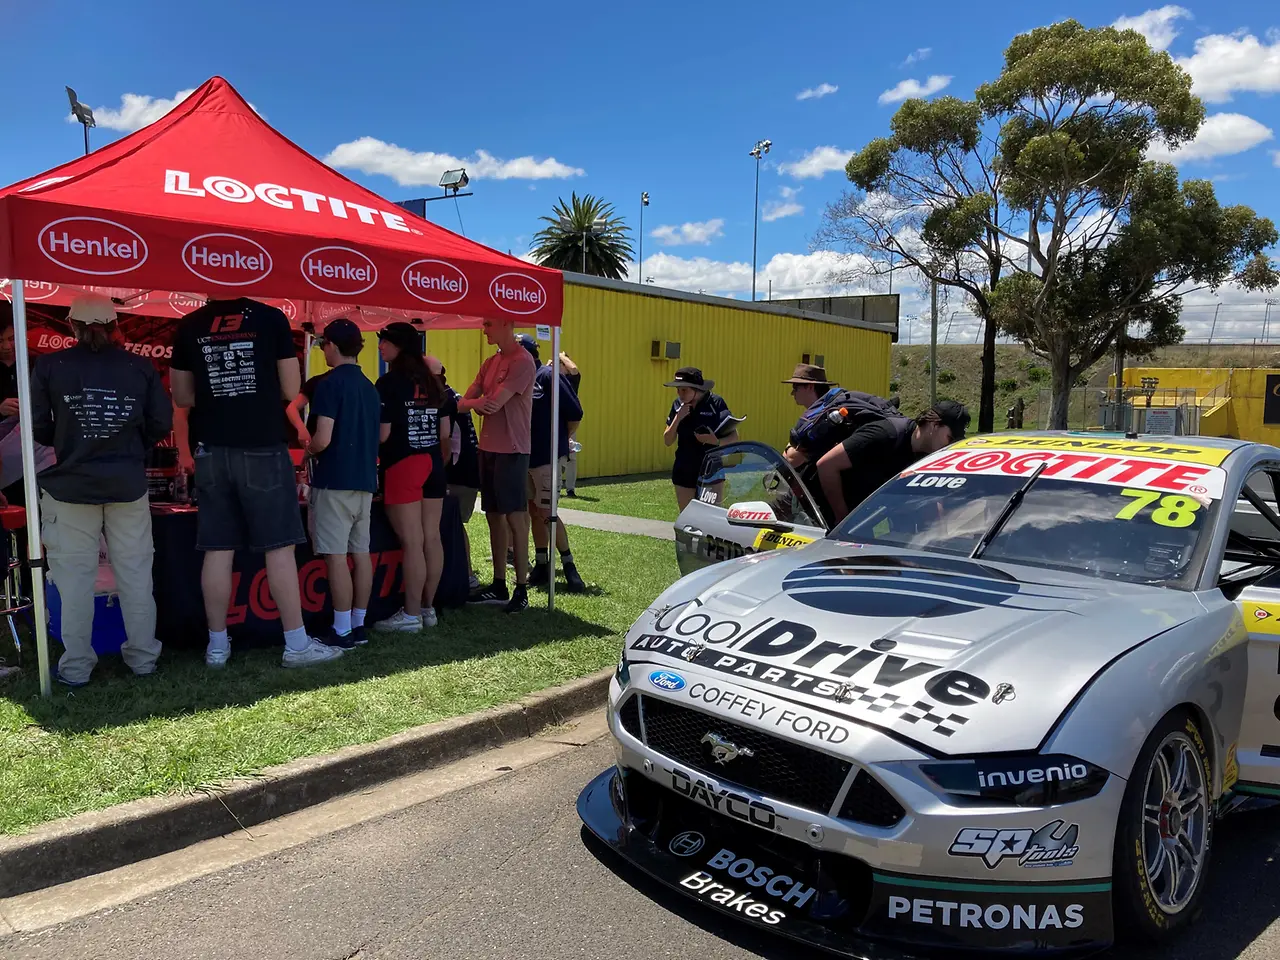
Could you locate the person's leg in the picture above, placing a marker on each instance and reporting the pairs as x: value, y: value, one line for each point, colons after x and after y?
x: 129, y: 543
x: 571, y: 473
x: 406, y: 521
x: 340, y: 587
x: 268, y: 497
x: 520, y: 528
x: 70, y: 532
x: 499, y: 540
x: 282, y: 581
x: 362, y: 563
x: 221, y: 529
x: 683, y: 496
x: 331, y: 518
x: 433, y: 548
x: 215, y: 583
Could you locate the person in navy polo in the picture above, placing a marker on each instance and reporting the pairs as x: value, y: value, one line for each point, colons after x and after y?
x: 698, y: 423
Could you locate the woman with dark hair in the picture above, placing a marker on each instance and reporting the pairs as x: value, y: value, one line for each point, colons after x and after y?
x: 415, y: 422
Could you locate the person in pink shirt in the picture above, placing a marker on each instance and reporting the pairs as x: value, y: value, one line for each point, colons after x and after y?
x: 503, y: 394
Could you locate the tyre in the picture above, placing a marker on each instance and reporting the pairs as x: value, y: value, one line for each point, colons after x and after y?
x: 1164, y: 837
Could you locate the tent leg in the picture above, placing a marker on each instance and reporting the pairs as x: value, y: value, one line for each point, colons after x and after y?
x: 555, y: 466
x: 35, y: 549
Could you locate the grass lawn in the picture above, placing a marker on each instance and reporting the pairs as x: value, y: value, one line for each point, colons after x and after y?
x: 122, y: 738
x: 648, y: 496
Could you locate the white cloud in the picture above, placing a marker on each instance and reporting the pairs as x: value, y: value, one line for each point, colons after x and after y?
x: 1275, y: 157
x: 818, y: 92
x: 792, y: 274
x: 137, y: 110
x: 1221, y: 135
x: 914, y: 88
x: 687, y: 233
x: 410, y: 169
x: 1225, y: 64
x: 776, y: 211
x: 922, y: 53
x: 817, y: 162
x: 1158, y: 26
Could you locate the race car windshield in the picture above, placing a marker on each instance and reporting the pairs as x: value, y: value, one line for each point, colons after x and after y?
x: 1116, y: 532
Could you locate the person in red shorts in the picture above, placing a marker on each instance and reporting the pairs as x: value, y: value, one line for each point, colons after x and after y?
x: 415, y: 421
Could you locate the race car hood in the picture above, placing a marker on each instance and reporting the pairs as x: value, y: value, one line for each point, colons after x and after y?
x: 952, y: 655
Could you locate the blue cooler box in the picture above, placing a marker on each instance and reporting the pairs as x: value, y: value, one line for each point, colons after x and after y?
x: 108, y: 621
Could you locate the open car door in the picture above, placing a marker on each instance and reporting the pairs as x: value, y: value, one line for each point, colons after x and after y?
x: 749, y: 499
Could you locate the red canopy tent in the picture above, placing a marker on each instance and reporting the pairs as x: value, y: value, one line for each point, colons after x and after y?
x: 211, y: 198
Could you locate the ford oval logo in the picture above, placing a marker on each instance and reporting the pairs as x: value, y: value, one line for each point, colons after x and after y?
x: 666, y: 681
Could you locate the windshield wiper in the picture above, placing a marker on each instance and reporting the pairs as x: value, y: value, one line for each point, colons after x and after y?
x: 1007, y: 512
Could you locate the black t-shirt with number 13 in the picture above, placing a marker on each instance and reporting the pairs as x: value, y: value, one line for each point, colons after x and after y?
x: 232, y: 347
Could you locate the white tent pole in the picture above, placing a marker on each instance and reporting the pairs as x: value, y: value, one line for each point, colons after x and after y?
x: 35, y: 549
x: 555, y: 466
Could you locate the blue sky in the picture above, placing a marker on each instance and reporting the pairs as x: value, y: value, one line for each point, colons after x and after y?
x: 610, y: 99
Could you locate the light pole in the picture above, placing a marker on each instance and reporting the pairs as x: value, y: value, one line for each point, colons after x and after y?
x: 594, y: 229
x: 83, y: 114
x: 644, y: 202
x: 758, y: 151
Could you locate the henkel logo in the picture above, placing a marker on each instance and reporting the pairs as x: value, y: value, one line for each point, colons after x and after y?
x: 289, y: 309
x: 226, y: 259
x: 517, y: 293
x: 183, y: 303
x: 339, y: 270
x: 101, y: 248
x: 32, y: 290
x: 434, y: 281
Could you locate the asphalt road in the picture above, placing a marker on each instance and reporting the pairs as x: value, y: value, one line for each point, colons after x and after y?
x: 501, y: 870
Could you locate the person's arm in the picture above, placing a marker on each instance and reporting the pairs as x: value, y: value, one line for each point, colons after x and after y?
x: 569, y: 368
x: 570, y: 405
x: 290, y: 377
x: 673, y: 423
x: 42, y: 427
x: 834, y: 463
x: 181, y: 437
x: 158, y: 415
x: 294, y: 412
x: 471, y: 399
x: 323, y: 436
x: 519, y: 381
x: 183, y: 385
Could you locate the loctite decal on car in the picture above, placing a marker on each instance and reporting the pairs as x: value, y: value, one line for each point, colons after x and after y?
x: 1185, y: 452
x: 1084, y: 467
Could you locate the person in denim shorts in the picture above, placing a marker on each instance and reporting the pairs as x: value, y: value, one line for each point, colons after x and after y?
x: 234, y: 362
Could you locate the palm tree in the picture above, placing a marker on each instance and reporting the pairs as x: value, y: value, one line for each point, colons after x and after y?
x: 584, y: 222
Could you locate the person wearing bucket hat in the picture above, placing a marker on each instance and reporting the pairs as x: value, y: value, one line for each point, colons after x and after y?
x: 878, y: 451
x: 811, y: 389
x: 101, y: 408
x: 698, y: 422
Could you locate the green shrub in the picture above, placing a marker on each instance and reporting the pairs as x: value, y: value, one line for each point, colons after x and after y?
x: 904, y: 361
x: 893, y: 386
x: 1009, y: 385
x: 1037, y: 374
x: 946, y: 376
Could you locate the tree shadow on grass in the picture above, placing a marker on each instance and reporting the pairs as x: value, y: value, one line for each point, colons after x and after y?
x: 184, y: 685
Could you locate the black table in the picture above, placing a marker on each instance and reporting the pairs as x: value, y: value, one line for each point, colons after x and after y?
x: 253, y: 619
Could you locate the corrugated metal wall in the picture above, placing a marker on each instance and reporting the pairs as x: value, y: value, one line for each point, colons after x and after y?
x: 608, y: 333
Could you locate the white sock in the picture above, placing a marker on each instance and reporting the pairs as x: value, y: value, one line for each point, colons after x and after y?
x: 219, y: 640
x: 296, y: 639
x: 342, y: 622
x: 357, y: 617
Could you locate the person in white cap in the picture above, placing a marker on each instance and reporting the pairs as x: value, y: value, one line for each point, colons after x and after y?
x: 101, y: 408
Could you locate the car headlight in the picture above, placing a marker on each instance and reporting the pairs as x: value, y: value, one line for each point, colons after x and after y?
x: 1029, y: 780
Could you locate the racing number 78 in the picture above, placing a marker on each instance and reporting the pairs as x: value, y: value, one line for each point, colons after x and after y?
x: 1172, y: 510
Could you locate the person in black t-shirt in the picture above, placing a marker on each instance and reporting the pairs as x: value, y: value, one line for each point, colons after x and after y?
x: 463, y: 467
x: 234, y: 362
x: 695, y: 423
x: 879, y: 451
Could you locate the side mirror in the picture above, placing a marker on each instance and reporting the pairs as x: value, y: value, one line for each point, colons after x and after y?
x: 755, y: 513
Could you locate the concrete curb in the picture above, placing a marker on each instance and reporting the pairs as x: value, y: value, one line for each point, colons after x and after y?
x: 92, y: 843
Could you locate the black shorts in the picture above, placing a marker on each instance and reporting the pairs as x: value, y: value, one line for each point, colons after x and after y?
x: 686, y: 473
x: 504, y: 479
x: 437, y: 484
x: 247, y: 498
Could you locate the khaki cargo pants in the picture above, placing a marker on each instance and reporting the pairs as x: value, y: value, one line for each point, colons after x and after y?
x: 71, y: 534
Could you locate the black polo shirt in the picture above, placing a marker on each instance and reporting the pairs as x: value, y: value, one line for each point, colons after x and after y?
x: 711, y: 412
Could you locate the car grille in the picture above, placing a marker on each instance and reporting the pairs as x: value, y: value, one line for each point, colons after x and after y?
x: 630, y: 717
x: 870, y: 803
x: 777, y: 768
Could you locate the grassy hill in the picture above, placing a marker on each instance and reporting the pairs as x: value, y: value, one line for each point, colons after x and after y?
x: 1022, y: 374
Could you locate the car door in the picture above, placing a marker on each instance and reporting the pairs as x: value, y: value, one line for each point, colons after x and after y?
x: 748, y: 499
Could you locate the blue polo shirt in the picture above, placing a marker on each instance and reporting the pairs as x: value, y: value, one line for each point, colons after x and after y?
x: 350, y: 462
x: 540, y: 424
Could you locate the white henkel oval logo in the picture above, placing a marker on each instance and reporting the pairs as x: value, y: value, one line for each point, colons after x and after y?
x: 183, y: 303
x: 517, y: 293
x: 289, y: 309
x: 32, y: 290
x: 339, y: 270
x: 101, y: 248
x: 226, y: 259
x: 435, y: 281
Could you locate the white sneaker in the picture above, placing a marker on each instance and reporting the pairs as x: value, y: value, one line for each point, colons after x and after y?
x: 401, y: 623
x: 217, y: 657
x: 313, y: 652
x: 429, y: 618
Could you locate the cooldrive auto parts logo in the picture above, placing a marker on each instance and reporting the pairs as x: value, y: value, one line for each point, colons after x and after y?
x: 517, y: 293
x: 339, y: 270
x: 435, y: 281
x: 91, y: 245
x: 226, y: 259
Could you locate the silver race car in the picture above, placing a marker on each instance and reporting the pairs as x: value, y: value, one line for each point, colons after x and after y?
x: 999, y: 707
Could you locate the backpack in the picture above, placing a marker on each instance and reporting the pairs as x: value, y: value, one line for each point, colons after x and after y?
x: 816, y: 432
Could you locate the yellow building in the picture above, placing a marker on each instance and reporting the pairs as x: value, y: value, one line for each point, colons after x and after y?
x: 1230, y: 401
x: 610, y: 330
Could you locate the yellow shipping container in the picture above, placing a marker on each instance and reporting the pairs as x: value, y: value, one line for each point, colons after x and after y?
x: 609, y: 329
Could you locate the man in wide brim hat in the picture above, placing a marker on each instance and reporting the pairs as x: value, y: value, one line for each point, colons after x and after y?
x: 810, y: 388
x: 691, y: 377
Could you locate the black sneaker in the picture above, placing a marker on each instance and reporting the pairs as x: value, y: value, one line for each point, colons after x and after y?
x: 335, y: 639
x: 493, y: 595
x: 519, y: 600
x: 538, y: 575
x: 573, y: 580
x: 360, y: 637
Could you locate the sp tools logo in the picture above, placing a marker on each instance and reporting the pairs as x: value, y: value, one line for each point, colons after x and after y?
x: 517, y: 293
x: 226, y: 259
x: 339, y: 270
x: 435, y: 281
x: 92, y: 245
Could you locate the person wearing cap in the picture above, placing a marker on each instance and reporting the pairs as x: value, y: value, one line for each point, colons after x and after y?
x: 234, y: 362
x: 877, y: 452
x: 343, y: 445
x: 811, y: 389
x: 695, y: 423
x: 541, y: 472
x: 503, y: 394
x: 416, y: 412
x: 101, y: 408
